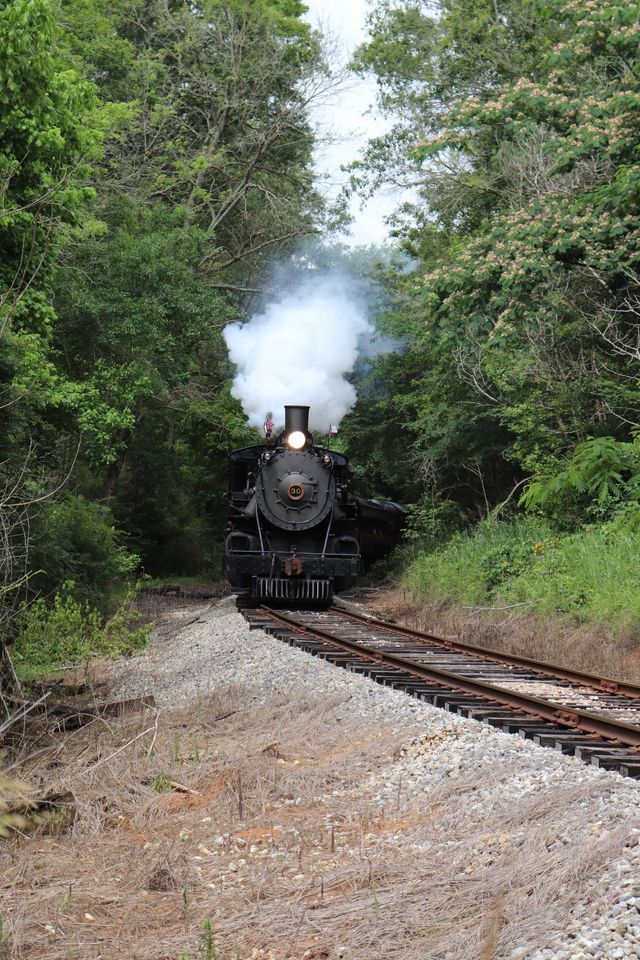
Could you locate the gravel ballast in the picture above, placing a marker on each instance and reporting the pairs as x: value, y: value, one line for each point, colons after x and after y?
x: 266, y: 805
x: 587, y: 816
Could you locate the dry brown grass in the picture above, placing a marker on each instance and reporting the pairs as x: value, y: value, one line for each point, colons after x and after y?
x: 269, y: 827
x: 139, y: 869
x: 590, y: 648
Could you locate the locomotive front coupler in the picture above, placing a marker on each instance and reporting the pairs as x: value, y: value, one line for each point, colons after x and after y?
x: 292, y: 566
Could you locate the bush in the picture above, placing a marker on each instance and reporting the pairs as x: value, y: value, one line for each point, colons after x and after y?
x: 68, y: 631
x: 601, y: 476
x: 75, y: 540
x: 472, y: 566
x: 432, y: 519
x: 591, y: 575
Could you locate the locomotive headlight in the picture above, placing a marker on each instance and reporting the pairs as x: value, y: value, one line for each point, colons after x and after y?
x: 296, y: 440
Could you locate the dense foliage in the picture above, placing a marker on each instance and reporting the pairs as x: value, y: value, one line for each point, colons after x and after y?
x: 517, y: 124
x: 154, y: 158
x: 525, y: 566
x: 66, y: 631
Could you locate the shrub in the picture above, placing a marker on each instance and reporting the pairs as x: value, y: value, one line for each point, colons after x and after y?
x: 75, y: 540
x: 68, y: 631
x: 432, y: 519
x: 472, y: 566
x: 591, y: 575
x: 599, y: 481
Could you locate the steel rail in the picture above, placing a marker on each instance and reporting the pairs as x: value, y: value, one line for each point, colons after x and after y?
x: 604, y: 684
x: 574, y: 719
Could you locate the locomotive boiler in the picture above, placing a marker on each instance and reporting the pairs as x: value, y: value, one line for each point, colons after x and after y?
x: 296, y: 533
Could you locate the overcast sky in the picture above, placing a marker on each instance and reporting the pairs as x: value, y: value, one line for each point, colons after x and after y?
x: 348, y: 118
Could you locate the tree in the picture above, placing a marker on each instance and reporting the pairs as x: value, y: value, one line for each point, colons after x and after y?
x: 206, y: 177
x: 527, y: 289
x: 426, y: 57
x: 50, y: 132
x: 519, y: 123
x: 220, y: 93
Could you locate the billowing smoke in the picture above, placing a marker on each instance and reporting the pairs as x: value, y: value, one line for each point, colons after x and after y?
x: 299, y: 349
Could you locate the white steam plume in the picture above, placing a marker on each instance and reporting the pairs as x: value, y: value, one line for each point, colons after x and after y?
x: 298, y: 350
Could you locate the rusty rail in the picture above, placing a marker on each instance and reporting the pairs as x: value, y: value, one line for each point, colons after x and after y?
x: 576, y: 719
x: 543, y: 667
x: 589, y: 734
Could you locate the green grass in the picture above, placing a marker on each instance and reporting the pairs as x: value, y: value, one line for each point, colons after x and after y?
x: 592, y: 575
x: 589, y: 576
x: 471, y: 567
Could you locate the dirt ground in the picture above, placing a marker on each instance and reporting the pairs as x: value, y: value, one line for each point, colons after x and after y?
x: 232, y: 829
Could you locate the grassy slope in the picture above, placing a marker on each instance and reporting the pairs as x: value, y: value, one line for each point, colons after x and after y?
x: 590, y: 576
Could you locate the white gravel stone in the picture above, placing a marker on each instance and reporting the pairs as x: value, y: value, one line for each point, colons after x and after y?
x: 217, y: 650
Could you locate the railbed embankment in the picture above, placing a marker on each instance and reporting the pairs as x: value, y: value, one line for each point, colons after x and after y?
x: 311, y: 813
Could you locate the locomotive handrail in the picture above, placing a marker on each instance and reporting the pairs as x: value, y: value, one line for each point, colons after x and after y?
x: 260, y: 533
x: 326, y: 538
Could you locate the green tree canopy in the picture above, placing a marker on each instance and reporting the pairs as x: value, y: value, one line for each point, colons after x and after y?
x: 518, y: 121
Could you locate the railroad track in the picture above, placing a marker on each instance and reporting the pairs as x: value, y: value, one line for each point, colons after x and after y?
x: 590, y: 717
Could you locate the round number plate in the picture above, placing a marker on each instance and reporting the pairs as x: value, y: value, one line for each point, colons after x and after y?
x: 295, y: 491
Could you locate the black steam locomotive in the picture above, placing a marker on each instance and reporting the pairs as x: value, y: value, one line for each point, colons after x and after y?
x: 295, y: 533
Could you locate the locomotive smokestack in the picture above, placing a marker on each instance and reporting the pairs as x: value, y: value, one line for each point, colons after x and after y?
x: 296, y: 418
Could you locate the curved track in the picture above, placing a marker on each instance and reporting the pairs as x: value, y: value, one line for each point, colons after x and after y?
x: 593, y: 718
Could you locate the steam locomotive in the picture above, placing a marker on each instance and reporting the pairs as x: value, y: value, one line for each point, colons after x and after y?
x: 295, y: 533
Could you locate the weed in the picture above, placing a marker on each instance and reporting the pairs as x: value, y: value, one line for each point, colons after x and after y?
x: 180, y: 580
x: 162, y: 783
x: 66, y: 900
x: 185, y: 908
x: 589, y: 576
x: 10, y: 790
x: 240, y: 798
x: 208, y: 949
x: 69, y: 631
x: 374, y: 895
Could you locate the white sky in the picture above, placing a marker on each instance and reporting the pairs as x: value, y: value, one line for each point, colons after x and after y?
x: 347, y: 118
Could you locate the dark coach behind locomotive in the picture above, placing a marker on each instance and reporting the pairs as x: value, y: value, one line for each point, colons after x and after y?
x: 295, y: 531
